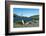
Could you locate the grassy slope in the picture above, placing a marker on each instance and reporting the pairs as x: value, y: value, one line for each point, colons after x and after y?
x: 35, y: 17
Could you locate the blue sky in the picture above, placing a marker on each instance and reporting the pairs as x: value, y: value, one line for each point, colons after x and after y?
x: 26, y: 11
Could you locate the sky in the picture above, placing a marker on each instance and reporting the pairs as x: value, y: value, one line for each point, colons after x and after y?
x: 26, y: 11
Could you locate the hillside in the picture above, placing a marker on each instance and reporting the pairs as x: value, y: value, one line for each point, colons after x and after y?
x: 16, y: 17
x: 31, y: 21
x: 35, y: 17
x: 19, y: 18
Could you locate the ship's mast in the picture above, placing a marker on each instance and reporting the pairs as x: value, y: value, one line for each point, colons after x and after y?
x: 22, y: 19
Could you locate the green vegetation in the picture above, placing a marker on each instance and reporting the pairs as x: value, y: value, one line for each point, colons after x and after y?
x: 35, y: 17
x: 34, y: 22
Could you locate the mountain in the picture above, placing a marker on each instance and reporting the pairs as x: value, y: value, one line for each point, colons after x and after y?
x: 17, y: 18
